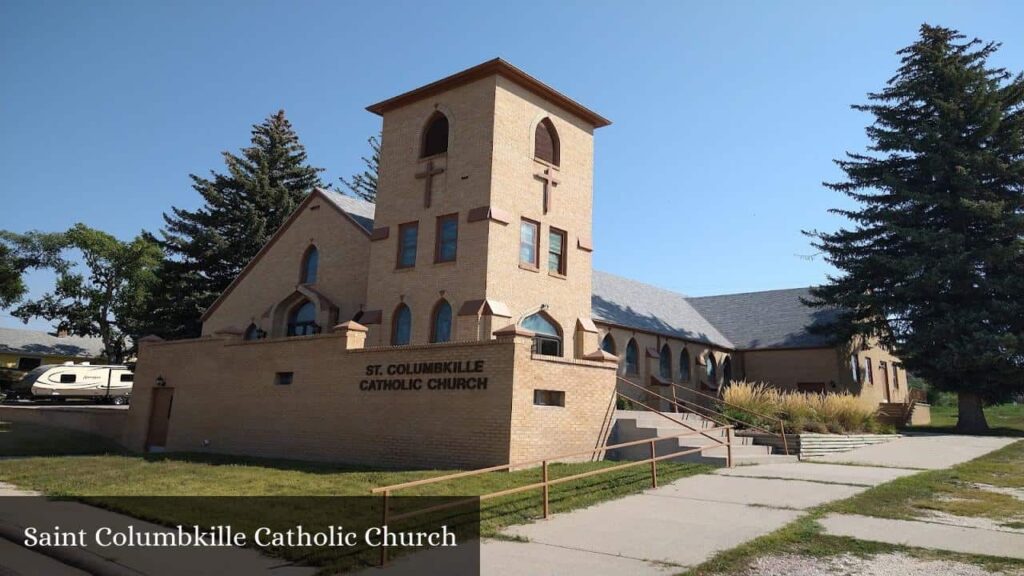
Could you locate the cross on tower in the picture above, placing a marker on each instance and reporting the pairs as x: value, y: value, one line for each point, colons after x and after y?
x: 428, y: 175
x: 548, y: 177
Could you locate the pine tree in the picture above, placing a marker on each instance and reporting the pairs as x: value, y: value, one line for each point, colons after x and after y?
x: 934, y: 266
x: 364, y: 185
x: 207, y: 248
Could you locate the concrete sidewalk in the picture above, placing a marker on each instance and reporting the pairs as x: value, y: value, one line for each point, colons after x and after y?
x: 923, y: 534
x: 665, y: 530
x: 922, y: 451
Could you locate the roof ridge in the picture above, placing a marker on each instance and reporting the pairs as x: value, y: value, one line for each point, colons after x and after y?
x: 655, y: 286
x: 720, y: 338
x: 750, y: 292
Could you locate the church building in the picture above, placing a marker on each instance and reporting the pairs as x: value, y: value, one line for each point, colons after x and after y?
x: 459, y: 321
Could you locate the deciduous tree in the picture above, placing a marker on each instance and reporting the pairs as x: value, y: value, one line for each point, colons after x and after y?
x: 104, y: 294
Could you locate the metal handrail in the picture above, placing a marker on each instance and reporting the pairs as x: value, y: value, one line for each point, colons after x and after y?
x: 779, y: 421
x: 663, y: 415
x: 681, y: 403
x: 723, y: 401
x: 545, y: 484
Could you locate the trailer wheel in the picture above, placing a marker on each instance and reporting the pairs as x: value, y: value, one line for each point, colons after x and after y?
x: 119, y: 400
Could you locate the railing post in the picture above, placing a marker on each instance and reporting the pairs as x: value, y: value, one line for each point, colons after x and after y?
x: 654, y: 467
x: 785, y: 444
x: 546, y: 488
x: 383, y: 523
x: 728, y: 447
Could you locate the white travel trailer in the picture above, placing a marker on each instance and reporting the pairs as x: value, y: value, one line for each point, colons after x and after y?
x: 69, y: 380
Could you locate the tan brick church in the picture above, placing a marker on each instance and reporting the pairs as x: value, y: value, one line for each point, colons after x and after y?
x: 459, y: 321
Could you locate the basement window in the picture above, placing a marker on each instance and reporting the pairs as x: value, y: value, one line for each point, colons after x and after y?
x: 283, y: 378
x: 549, y: 398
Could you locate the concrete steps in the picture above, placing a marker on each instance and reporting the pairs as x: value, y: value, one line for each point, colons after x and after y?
x: 632, y: 425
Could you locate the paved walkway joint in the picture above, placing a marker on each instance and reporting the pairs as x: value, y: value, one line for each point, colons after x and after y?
x: 926, y: 535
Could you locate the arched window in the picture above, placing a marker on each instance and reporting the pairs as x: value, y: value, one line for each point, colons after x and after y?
x: 711, y: 371
x: 310, y: 263
x: 855, y: 369
x: 727, y: 371
x: 665, y: 362
x: 302, y: 320
x: 441, y: 323
x: 684, y: 366
x: 608, y: 344
x: 253, y: 332
x: 401, y: 326
x: 547, y: 339
x: 632, y: 357
x: 545, y: 142
x: 435, y: 137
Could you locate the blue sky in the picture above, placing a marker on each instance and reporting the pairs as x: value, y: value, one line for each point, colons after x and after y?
x: 727, y: 115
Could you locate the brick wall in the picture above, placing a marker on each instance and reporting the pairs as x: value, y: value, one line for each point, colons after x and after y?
x: 226, y: 401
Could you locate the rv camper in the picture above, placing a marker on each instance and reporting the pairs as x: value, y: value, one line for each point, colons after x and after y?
x: 111, y: 384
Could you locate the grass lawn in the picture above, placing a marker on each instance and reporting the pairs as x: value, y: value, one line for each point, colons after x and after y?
x: 113, y: 474
x: 910, y: 497
x: 22, y: 439
x: 954, y: 491
x: 1003, y: 419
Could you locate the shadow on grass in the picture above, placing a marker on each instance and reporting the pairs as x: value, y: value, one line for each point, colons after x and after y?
x: 283, y: 464
x: 24, y: 439
x: 1011, y: 432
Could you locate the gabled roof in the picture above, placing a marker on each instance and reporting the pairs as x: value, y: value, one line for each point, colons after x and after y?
x: 498, y: 67
x: 38, y: 343
x: 623, y: 302
x: 356, y: 208
x: 770, y: 319
x: 748, y: 321
x: 358, y: 212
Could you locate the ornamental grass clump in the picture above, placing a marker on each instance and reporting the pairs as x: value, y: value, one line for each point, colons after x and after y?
x: 841, y: 413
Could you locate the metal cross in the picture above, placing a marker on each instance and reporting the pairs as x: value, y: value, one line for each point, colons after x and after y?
x: 550, y: 181
x: 428, y: 176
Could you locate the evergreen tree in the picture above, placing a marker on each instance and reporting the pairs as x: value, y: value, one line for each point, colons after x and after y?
x: 207, y: 248
x: 364, y: 184
x: 934, y: 266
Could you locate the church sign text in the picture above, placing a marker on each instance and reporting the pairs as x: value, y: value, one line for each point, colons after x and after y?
x: 453, y: 375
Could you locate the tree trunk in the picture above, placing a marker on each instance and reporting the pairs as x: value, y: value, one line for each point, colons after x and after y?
x: 971, y: 418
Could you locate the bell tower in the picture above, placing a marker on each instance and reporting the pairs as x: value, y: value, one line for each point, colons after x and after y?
x: 484, y: 210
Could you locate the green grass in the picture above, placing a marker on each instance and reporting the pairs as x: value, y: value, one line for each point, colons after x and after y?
x: 1003, y: 420
x: 805, y: 537
x: 905, y: 498
x: 98, y: 477
x: 952, y: 491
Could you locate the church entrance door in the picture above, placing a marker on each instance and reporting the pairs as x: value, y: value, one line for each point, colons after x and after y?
x: 159, y: 419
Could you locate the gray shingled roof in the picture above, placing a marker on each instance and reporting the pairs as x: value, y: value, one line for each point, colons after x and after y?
x: 771, y: 319
x: 37, y: 343
x: 618, y: 300
x: 360, y: 210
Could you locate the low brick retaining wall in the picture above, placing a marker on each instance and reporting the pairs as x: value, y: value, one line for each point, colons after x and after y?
x: 811, y: 445
x: 107, y: 421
